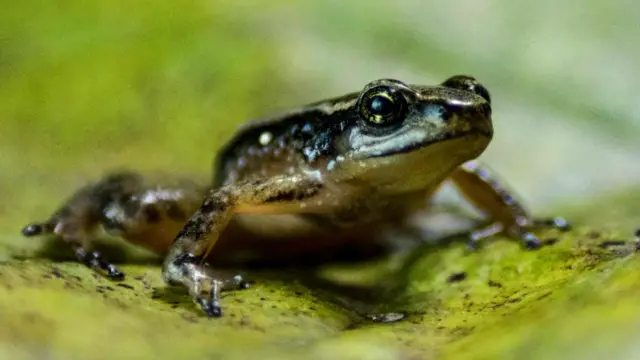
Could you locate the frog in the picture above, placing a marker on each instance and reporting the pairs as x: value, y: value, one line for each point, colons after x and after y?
x: 348, y: 167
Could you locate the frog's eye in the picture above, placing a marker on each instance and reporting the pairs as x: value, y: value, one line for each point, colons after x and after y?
x: 468, y: 83
x: 381, y: 106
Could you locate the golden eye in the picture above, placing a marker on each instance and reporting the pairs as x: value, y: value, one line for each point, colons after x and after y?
x: 380, y: 106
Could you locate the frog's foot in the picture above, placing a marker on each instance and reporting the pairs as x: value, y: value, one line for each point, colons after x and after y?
x: 35, y: 229
x: 72, y: 235
x: 203, y: 285
x: 94, y: 260
x: 558, y: 223
x: 522, y: 231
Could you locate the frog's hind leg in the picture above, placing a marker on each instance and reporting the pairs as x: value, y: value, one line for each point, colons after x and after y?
x: 506, y: 215
x: 92, y: 259
x: 77, y: 219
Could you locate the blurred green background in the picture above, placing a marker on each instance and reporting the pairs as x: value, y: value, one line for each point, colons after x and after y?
x: 87, y: 87
x: 91, y: 86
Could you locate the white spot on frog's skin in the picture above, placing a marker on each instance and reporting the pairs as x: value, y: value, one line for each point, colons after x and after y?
x: 111, y: 212
x: 158, y: 195
x: 265, y: 138
x: 331, y: 165
x: 315, y: 174
x: 310, y: 154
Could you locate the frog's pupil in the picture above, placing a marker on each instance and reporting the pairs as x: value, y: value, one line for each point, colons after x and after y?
x: 381, y: 105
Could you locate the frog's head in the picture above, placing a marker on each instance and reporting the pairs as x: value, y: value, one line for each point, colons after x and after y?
x: 413, y: 136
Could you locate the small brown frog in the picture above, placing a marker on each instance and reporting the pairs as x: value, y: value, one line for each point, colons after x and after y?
x: 315, y: 176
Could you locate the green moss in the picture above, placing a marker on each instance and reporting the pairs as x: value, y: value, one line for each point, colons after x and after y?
x: 510, y: 303
x: 65, y: 309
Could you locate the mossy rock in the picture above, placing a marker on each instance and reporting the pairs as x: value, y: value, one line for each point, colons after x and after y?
x: 574, y: 298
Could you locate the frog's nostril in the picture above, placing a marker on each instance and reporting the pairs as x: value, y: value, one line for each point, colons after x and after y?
x: 482, y: 91
x: 485, y: 110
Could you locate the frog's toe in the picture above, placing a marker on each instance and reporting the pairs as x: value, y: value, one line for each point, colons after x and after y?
x: 96, y: 261
x: 530, y: 241
x: 202, y: 282
x: 211, y: 308
x: 210, y: 303
x: 243, y: 284
x: 32, y: 230
x: 472, y: 245
x: 114, y: 274
x: 521, y: 233
x: 35, y: 229
x: 215, y: 311
x: 559, y: 223
x: 237, y: 282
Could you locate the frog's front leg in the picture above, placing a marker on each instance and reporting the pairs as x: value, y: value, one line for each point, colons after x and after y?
x: 184, y: 265
x: 505, y: 213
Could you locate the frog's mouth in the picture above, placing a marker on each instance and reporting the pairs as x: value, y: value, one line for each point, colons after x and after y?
x: 476, y: 140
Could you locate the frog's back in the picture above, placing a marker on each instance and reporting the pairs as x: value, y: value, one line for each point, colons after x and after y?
x: 282, y: 144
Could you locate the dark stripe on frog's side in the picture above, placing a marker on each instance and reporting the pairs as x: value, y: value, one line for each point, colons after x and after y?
x: 312, y: 127
x: 296, y: 195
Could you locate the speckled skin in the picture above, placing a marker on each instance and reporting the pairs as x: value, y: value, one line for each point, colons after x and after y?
x: 335, y: 171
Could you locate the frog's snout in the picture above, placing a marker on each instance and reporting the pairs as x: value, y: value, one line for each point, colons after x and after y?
x: 480, y: 119
x: 484, y: 125
x: 484, y: 110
